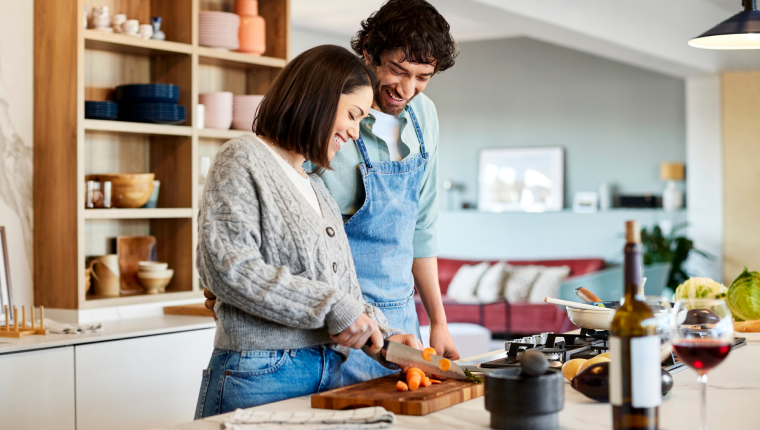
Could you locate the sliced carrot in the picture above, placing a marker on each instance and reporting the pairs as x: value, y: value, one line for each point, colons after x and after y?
x: 401, y: 386
x: 414, y: 379
x: 414, y: 370
x: 444, y: 364
x: 435, y: 381
x: 428, y: 354
x: 426, y: 382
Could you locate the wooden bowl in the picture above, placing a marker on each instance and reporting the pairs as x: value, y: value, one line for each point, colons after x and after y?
x: 155, y: 282
x: 128, y: 190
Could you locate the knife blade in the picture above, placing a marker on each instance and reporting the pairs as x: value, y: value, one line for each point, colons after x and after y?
x: 407, y: 356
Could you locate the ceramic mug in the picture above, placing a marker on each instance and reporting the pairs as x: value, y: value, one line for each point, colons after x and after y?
x: 100, y: 17
x: 131, y: 26
x: 146, y: 31
x: 117, y: 22
x: 105, y: 270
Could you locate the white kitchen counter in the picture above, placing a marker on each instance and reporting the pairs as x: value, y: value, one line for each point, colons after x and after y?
x: 112, y: 330
x: 733, y: 390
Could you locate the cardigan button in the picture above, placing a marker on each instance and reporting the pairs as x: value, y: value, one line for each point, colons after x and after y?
x: 330, y: 231
x: 335, y: 267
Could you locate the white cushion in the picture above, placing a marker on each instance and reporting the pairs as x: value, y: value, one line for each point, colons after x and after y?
x: 491, y: 286
x: 465, y: 281
x: 519, y: 281
x: 547, y: 283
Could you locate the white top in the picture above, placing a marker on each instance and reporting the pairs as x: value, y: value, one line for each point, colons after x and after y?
x: 387, y: 128
x: 302, y: 184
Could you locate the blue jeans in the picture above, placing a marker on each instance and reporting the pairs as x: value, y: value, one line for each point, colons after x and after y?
x: 251, y: 378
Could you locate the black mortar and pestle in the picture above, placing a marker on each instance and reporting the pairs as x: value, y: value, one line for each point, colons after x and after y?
x: 525, y: 398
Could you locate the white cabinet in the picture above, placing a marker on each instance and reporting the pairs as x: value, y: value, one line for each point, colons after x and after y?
x: 140, y: 383
x: 37, y: 389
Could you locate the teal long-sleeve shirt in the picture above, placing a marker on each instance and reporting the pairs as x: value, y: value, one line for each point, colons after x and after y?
x: 345, y: 182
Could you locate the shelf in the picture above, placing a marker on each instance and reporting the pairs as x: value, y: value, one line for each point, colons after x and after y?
x: 124, y: 44
x: 138, y: 213
x: 91, y: 302
x: 216, y: 57
x: 212, y: 133
x: 137, y: 127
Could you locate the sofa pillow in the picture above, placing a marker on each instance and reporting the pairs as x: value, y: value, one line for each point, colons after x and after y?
x: 518, y: 282
x: 491, y: 286
x: 465, y: 281
x: 547, y: 283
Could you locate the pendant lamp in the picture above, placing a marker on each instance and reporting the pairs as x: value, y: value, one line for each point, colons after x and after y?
x: 741, y: 31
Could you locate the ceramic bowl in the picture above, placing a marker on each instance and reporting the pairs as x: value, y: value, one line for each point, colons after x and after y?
x: 128, y: 190
x: 155, y: 282
x: 152, y: 266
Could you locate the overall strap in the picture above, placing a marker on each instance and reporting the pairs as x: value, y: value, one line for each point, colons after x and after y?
x: 363, y: 150
x: 418, y: 131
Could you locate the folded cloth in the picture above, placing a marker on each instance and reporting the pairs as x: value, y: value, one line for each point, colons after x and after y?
x: 359, y: 419
x: 56, y: 327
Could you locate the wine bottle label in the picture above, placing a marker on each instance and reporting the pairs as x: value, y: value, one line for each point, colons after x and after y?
x: 645, y: 372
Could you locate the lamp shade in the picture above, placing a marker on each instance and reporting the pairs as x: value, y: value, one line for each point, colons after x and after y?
x: 741, y: 31
x: 671, y: 171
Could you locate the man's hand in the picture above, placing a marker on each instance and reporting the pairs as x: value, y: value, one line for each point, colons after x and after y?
x: 356, y: 335
x: 441, y: 341
x: 210, y: 301
x: 408, y: 340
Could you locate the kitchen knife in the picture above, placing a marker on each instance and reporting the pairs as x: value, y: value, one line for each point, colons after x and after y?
x: 407, y: 356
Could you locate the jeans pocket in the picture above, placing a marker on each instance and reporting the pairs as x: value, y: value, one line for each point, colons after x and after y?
x: 259, y: 363
x: 202, y: 394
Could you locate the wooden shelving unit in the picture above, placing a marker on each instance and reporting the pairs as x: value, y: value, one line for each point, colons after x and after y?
x: 73, y: 64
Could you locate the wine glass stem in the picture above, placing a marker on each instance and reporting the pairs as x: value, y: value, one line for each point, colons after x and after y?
x: 702, y: 382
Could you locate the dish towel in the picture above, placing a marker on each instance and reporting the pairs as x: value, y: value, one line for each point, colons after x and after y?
x: 359, y: 419
x: 56, y: 327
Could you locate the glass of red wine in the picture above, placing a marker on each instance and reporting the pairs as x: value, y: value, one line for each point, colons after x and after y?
x: 703, y: 333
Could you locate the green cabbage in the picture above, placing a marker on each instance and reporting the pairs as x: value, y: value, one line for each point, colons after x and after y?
x: 744, y: 296
x: 701, y: 288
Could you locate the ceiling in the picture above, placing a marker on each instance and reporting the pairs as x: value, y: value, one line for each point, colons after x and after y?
x: 650, y: 34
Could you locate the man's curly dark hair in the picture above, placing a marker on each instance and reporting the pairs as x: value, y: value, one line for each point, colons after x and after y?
x: 414, y: 26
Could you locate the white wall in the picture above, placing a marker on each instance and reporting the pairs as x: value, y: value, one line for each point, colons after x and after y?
x: 303, y: 39
x: 704, y: 149
x: 16, y: 128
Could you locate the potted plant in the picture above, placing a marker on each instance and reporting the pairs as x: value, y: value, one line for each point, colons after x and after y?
x: 673, y: 249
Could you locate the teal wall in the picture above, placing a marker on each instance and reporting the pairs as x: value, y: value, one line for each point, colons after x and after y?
x: 616, y: 122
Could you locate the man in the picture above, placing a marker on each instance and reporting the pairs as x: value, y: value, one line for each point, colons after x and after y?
x: 386, y: 182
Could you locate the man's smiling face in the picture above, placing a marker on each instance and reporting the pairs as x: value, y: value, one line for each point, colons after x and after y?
x: 398, y: 81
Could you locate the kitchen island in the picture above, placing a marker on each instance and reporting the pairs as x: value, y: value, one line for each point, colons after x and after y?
x: 733, y: 390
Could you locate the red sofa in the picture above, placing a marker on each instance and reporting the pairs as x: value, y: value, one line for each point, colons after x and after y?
x: 503, y: 317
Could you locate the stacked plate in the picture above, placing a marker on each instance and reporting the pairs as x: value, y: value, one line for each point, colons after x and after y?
x: 101, y: 110
x: 218, y: 108
x: 244, y: 110
x: 155, y: 103
x: 218, y: 30
x: 144, y: 93
x: 157, y: 113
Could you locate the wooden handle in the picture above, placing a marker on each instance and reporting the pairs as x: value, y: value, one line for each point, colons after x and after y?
x: 586, y: 295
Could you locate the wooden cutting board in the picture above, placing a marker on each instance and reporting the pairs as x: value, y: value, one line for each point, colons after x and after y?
x: 382, y: 392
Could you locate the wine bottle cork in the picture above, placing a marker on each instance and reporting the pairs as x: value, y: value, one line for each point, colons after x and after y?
x: 632, y: 232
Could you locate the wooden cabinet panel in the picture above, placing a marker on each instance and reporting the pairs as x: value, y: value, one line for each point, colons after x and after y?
x: 37, y: 389
x: 140, y: 383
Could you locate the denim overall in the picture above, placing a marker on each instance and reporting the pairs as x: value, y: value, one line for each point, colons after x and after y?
x: 380, y: 234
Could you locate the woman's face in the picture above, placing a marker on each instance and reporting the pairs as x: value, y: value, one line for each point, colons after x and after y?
x: 352, y: 109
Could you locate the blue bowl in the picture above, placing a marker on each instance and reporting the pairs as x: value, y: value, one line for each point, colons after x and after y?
x: 147, y: 93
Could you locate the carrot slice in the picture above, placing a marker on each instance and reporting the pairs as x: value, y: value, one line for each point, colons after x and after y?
x: 428, y: 354
x: 435, y: 381
x: 426, y: 382
x: 414, y: 381
x: 444, y: 364
x: 401, y: 386
x: 414, y: 370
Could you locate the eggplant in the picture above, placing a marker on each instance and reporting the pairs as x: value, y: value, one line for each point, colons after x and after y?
x: 593, y: 382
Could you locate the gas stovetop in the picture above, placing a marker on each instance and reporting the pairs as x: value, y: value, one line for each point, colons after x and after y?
x: 559, y: 348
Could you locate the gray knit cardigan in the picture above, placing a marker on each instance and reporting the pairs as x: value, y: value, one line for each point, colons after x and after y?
x: 283, y: 276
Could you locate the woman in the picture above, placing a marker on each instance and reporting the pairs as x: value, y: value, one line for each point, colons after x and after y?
x: 272, y: 247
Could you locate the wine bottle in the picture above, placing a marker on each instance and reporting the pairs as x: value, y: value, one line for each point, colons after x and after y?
x: 635, y: 370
